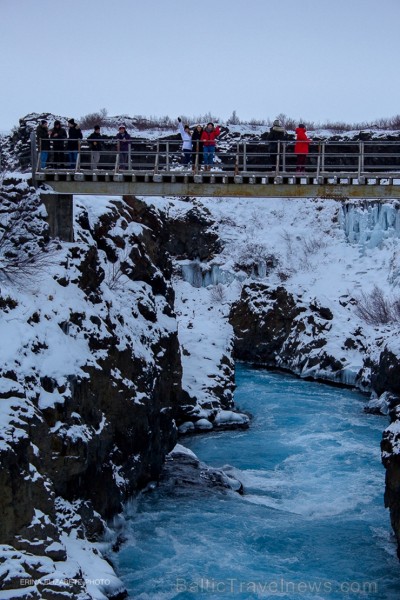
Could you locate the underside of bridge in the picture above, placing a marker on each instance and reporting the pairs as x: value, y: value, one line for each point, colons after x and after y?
x: 339, y: 186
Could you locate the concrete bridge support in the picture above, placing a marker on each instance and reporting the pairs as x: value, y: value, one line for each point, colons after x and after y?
x: 60, y: 215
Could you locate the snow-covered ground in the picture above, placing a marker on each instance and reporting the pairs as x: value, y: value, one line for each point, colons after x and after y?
x: 322, y: 250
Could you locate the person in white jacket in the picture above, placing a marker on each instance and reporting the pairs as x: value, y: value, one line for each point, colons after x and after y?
x: 187, y: 146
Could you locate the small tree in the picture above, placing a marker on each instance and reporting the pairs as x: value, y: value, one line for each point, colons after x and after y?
x: 233, y: 119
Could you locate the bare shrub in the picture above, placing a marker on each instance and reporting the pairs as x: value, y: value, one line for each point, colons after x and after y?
x: 117, y: 273
x: 376, y: 309
x: 288, y: 239
x: 96, y: 118
x: 256, y: 122
x: 312, y: 245
x: 228, y: 221
x: 253, y: 252
x: 218, y: 294
x: 283, y: 275
x: 166, y: 123
x: 255, y: 258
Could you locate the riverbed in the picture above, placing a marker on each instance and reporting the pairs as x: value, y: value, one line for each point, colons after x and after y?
x: 310, y: 524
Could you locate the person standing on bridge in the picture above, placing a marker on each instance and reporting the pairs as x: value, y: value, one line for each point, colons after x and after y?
x: 301, y: 148
x: 74, y: 135
x: 123, y: 142
x: 96, y: 146
x: 276, y: 134
x: 186, y: 136
x: 197, y: 154
x: 209, y: 136
x: 42, y: 137
x: 58, y: 135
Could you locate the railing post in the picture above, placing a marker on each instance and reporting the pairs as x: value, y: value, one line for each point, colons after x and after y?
x: 167, y: 155
x: 277, y: 159
x: 361, y: 159
x: 320, y: 146
x: 244, y: 157
x: 237, y: 158
x: 117, y: 159
x: 78, y: 158
x: 323, y: 157
x: 196, y: 159
x: 39, y: 156
x: 129, y: 156
x: 284, y: 145
x: 156, y: 162
x: 34, y: 156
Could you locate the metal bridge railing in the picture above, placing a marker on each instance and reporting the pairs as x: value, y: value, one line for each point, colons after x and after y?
x: 325, y: 158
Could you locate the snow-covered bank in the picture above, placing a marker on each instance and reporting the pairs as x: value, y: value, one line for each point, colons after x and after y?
x: 90, y: 388
x: 323, y: 255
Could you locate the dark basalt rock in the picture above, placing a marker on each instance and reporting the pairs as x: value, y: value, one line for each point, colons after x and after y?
x: 183, y: 472
x: 262, y: 320
x: 192, y: 236
x: 386, y: 378
x: 276, y: 329
x: 106, y: 434
x: 385, y: 375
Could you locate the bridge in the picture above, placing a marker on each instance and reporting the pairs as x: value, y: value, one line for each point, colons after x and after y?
x: 334, y: 169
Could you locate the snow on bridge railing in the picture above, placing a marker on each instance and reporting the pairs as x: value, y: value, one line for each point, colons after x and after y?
x: 325, y: 158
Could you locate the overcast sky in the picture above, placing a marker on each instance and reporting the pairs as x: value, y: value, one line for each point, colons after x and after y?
x: 317, y: 60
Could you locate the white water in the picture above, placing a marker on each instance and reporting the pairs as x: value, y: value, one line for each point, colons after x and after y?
x: 310, y: 525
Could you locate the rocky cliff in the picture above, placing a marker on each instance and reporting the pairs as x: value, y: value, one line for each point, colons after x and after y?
x: 91, y: 391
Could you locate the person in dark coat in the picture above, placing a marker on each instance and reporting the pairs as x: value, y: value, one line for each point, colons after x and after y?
x: 58, y: 135
x: 96, y: 146
x: 43, y: 142
x: 74, y: 135
x: 197, y: 154
x: 124, y: 139
x: 301, y: 148
x: 276, y: 133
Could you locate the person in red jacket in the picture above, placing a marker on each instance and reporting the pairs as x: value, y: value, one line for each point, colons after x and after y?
x: 208, y: 138
x: 301, y: 148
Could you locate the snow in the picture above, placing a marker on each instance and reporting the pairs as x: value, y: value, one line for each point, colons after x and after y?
x: 225, y: 417
x: 180, y: 449
x: 203, y: 424
x: 324, y: 252
x: 97, y: 573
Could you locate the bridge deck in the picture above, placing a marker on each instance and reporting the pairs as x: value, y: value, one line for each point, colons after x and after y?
x: 339, y: 185
x: 369, y: 169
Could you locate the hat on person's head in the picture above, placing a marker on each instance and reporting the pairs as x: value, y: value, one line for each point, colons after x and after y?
x: 57, y: 122
x: 43, y: 121
x: 71, y: 122
x: 277, y: 123
x: 96, y: 127
x: 302, y: 126
x: 122, y: 126
x: 212, y: 124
